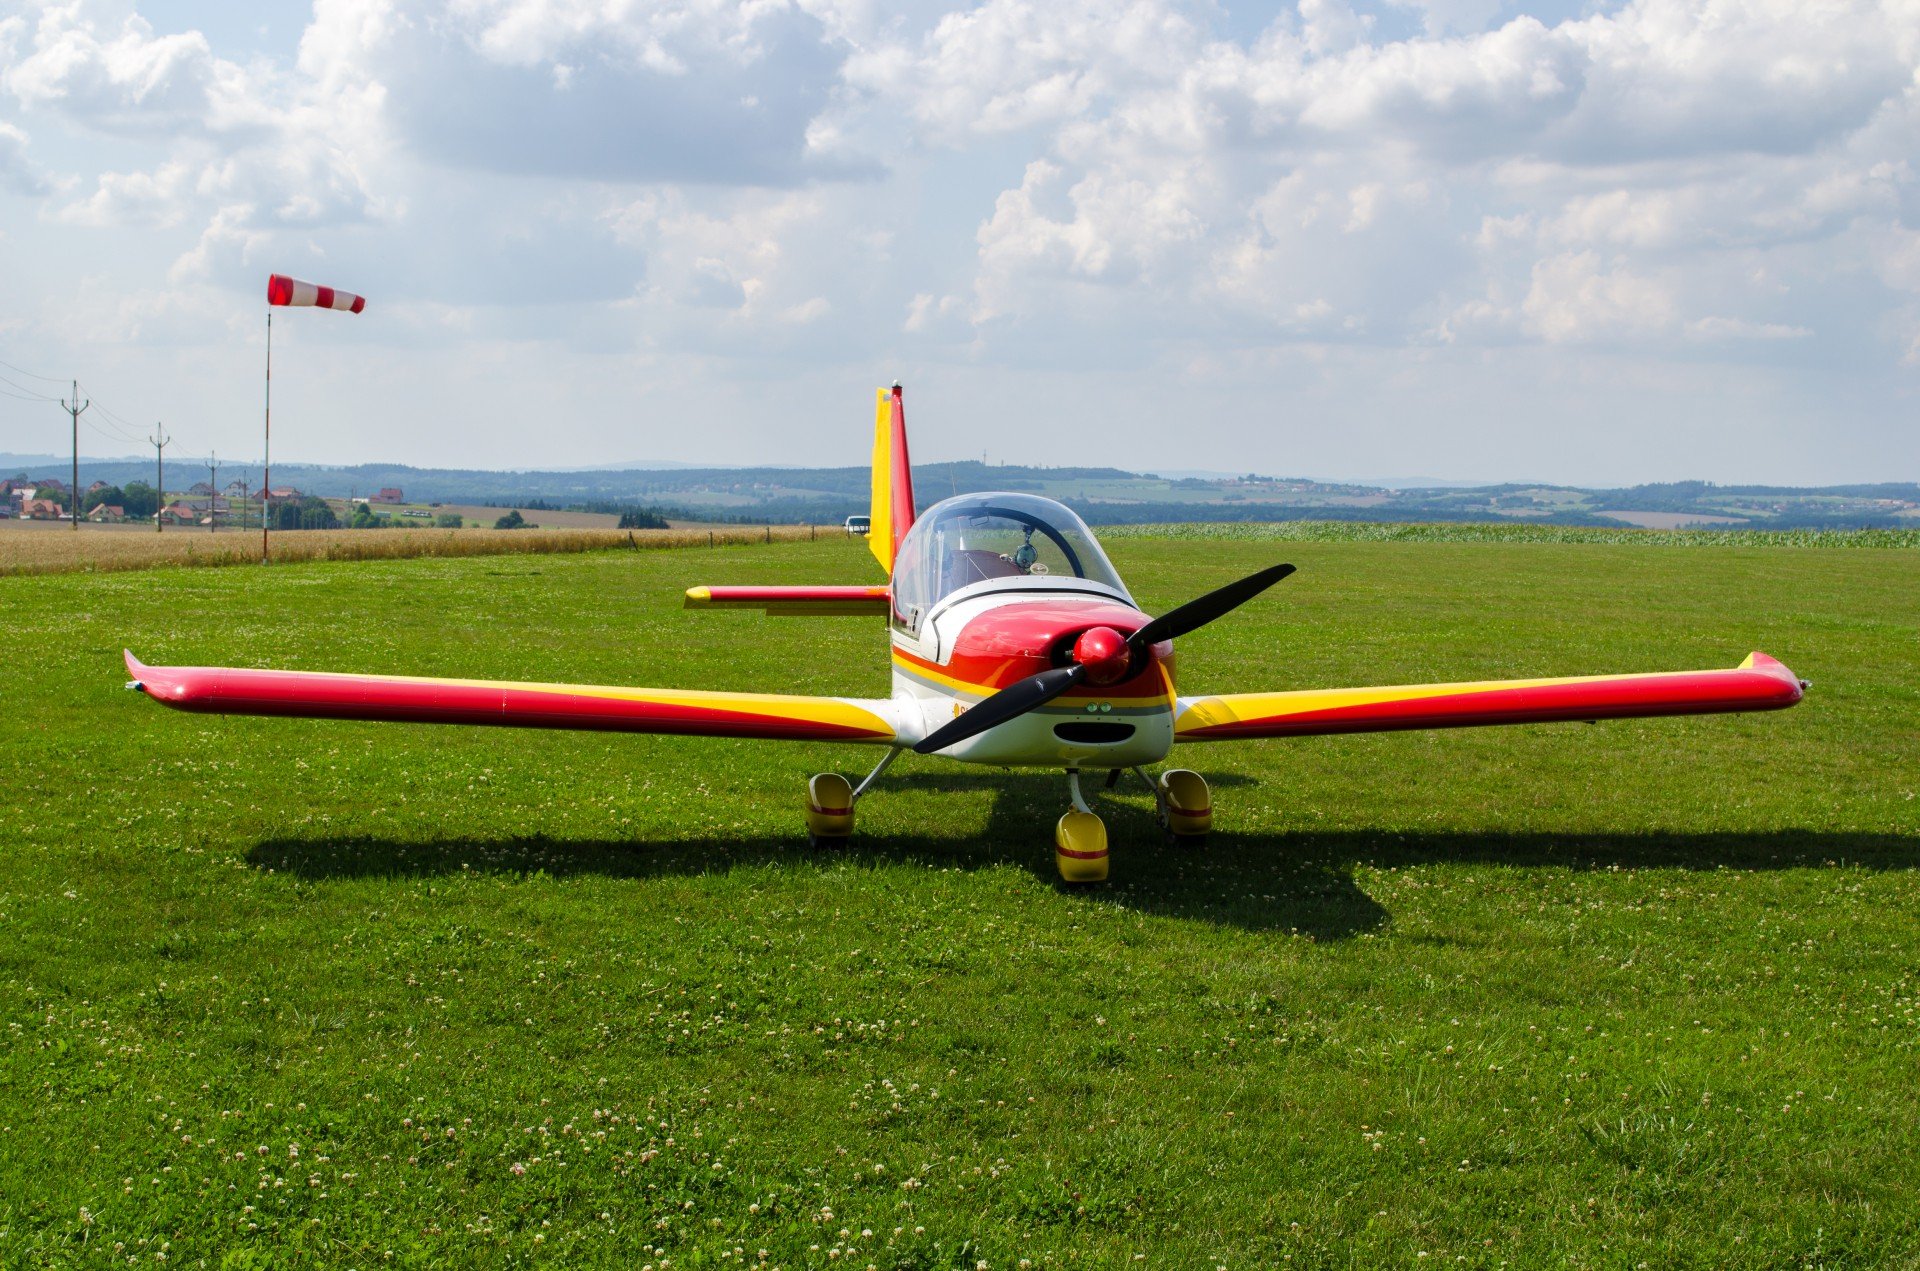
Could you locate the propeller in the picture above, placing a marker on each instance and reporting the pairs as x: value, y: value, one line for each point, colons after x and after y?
x: 1100, y: 656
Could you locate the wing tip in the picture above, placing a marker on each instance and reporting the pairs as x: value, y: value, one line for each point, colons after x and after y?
x: 698, y: 597
x: 1761, y: 662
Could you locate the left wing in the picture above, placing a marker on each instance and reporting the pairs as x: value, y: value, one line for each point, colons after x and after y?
x: 420, y: 700
x: 1758, y: 684
x: 792, y: 601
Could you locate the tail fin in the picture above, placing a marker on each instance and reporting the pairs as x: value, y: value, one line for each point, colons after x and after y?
x: 892, y: 479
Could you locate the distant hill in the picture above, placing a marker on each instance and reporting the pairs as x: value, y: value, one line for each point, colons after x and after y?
x: 1102, y: 495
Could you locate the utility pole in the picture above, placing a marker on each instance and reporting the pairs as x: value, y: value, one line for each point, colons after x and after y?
x: 213, y: 484
x: 159, y: 476
x: 245, y: 476
x: 74, y: 408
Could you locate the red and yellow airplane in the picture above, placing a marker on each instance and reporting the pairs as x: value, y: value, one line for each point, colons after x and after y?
x: 1014, y: 643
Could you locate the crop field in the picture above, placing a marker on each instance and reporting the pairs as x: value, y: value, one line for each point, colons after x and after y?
x: 44, y: 548
x: 299, y: 993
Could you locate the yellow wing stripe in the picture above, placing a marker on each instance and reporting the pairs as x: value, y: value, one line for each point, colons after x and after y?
x: 1238, y: 708
x: 880, y: 529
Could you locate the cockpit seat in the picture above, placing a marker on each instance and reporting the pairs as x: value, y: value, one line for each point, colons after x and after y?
x: 975, y: 566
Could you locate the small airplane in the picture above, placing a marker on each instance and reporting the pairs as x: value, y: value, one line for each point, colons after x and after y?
x: 1014, y: 644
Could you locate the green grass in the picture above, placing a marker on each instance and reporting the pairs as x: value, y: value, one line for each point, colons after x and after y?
x: 1557, y: 995
x: 1489, y: 532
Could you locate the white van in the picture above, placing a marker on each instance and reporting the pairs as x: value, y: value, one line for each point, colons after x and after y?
x: 859, y: 525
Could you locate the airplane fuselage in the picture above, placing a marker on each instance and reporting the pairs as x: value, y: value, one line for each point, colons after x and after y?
x: 986, y: 637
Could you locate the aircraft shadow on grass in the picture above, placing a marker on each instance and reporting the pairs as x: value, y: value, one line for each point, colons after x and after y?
x: 1296, y: 881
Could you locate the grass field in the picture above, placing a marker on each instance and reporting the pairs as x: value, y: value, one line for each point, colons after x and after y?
x: 302, y: 993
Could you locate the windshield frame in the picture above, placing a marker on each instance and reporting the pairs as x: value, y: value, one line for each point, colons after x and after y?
x: 918, y: 572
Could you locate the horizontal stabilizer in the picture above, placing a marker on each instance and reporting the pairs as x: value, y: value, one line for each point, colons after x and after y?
x: 1758, y: 684
x: 791, y: 601
x: 420, y: 700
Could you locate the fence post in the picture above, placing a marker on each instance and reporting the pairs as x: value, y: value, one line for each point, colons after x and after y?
x: 709, y: 538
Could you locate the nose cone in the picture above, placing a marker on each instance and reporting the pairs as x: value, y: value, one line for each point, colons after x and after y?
x: 1103, y: 651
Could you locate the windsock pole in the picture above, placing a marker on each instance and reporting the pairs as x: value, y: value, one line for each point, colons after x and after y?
x: 283, y: 290
x: 266, y: 475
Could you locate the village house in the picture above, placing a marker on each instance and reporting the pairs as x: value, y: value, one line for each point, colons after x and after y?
x: 104, y: 512
x: 41, y: 510
x: 179, y: 512
x: 390, y: 494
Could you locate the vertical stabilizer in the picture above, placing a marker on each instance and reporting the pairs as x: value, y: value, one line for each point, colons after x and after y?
x: 893, y: 508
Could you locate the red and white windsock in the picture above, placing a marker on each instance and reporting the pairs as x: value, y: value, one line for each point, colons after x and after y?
x: 282, y: 290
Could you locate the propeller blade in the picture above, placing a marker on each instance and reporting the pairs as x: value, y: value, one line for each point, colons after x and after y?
x: 1016, y: 699
x: 1198, y: 613
x: 1037, y: 690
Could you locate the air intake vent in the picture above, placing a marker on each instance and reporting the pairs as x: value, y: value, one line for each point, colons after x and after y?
x: 1084, y: 732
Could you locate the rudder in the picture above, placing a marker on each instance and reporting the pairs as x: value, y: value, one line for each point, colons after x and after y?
x: 892, y: 508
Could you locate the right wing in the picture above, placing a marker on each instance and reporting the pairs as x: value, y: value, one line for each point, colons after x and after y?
x: 420, y: 700
x: 1758, y: 684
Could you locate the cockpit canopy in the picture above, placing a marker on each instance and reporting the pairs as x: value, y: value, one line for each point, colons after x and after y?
x: 1016, y: 541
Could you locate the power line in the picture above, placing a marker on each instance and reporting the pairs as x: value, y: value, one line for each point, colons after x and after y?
x: 34, y: 393
x: 112, y: 415
x: 127, y: 431
x: 114, y: 435
x: 51, y: 379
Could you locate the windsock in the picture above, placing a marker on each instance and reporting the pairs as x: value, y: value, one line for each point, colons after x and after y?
x: 282, y: 290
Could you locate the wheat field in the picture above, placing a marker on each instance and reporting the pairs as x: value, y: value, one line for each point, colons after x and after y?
x: 95, y: 550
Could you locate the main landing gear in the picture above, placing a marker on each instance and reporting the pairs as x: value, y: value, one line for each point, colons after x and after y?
x: 1182, y: 805
x: 830, y: 800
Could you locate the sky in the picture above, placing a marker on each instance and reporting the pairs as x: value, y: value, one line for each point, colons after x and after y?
x: 1588, y: 243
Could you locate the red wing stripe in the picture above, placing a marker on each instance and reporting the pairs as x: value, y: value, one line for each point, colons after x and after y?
x: 330, y: 696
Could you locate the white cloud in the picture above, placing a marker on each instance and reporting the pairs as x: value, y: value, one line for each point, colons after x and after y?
x: 1718, y: 328
x: 1576, y: 296
x: 17, y: 172
x: 126, y: 79
x: 131, y: 198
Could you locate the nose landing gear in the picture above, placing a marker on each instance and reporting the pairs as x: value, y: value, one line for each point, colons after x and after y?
x: 1182, y: 804
x: 1080, y: 839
